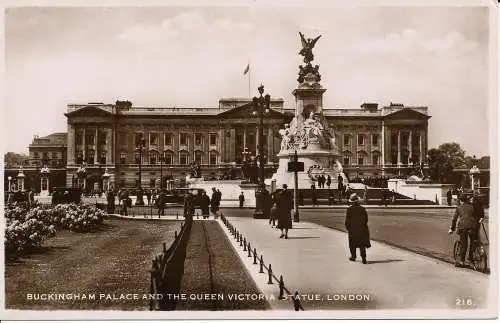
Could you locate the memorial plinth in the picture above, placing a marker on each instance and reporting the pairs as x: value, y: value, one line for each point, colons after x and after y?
x: 308, y: 133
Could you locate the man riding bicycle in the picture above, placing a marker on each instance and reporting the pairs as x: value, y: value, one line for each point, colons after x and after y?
x: 467, y: 229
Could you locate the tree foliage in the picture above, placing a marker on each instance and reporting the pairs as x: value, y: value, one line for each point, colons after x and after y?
x: 449, y: 156
x: 12, y: 159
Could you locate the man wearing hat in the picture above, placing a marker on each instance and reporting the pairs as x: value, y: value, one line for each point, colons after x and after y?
x: 356, y: 223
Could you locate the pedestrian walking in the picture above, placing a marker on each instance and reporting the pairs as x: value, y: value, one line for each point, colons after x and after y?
x: 148, y: 197
x: 266, y: 203
x: 124, y: 198
x: 314, y: 198
x: 356, y: 223
x: 285, y: 205
x: 213, y: 201
x: 205, y: 205
x: 328, y: 181
x: 162, y: 199
x: 242, y: 199
x: 273, y: 214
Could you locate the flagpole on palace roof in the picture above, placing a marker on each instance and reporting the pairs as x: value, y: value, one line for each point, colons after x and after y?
x: 249, y: 78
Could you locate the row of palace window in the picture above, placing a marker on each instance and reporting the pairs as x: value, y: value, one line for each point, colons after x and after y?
x: 405, y: 159
x: 46, y: 155
x: 168, y: 139
x: 90, y: 138
x: 361, y: 139
x: 347, y: 160
x: 375, y: 139
x: 168, y: 158
x: 153, y: 158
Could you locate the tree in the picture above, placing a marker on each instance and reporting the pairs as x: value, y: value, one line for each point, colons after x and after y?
x: 12, y: 159
x: 444, y: 159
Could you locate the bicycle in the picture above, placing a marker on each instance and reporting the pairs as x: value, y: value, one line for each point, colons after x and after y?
x: 479, y: 261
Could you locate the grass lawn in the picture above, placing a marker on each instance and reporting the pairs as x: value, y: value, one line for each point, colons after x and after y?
x: 213, y: 267
x: 114, y: 260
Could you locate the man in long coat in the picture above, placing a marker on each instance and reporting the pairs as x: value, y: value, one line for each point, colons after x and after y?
x: 285, y: 205
x: 356, y: 223
x: 205, y: 205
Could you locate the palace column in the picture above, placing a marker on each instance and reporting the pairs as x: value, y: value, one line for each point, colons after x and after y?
x: 84, y: 155
x: 420, y: 147
x: 71, y: 145
x: 221, y: 144
x: 232, y: 142
x: 96, y: 146
x: 399, y: 148
x: 244, y: 138
x: 109, y: 146
x: 410, y: 149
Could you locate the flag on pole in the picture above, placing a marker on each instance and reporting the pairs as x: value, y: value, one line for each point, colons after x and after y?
x: 246, y: 69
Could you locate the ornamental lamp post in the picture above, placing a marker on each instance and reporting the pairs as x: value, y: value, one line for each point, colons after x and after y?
x: 474, y: 171
x: 10, y: 180
x: 105, y: 178
x: 261, y: 107
x: 140, y: 149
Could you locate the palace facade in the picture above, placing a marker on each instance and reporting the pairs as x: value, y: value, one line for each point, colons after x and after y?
x: 108, y: 139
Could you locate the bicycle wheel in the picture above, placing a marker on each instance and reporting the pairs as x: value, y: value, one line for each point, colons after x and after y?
x: 456, y: 250
x: 480, y: 259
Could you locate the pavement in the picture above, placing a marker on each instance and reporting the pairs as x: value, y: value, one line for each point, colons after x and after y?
x: 314, y: 261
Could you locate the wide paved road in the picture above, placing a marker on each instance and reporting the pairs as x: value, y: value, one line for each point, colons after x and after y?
x: 424, y: 231
x: 314, y: 262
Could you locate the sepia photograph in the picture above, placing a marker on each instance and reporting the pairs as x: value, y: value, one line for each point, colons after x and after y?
x: 250, y: 160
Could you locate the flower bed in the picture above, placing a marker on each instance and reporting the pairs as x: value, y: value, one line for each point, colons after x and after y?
x: 28, y: 226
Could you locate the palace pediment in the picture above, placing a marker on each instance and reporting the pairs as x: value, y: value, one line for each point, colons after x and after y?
x: 246, y: 112
x: 89, y: 111
x: 406, y: 113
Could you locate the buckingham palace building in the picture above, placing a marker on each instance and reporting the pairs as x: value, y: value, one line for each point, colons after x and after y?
x: 125, y: 143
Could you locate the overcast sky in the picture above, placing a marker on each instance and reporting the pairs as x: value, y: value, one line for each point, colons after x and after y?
x: 192, y: 56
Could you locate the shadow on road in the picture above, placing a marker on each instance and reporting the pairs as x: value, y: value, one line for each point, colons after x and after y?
x: 303, y: 237
x: 383, y: 261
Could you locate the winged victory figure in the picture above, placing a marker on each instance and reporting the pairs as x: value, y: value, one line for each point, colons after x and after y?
x: 307, y: 46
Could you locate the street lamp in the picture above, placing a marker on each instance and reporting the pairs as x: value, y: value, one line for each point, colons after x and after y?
x: 10, y: 180
x: 261, y: 107
x: 473, y: 171
x: 140, y: 149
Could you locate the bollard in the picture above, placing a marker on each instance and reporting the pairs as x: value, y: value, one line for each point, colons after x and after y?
x: 175, y: 237
x: 249, y: 250
x: 261, y: 271
x: 164, y: 247
x: 238, y: 237
x: 296, y: 301
x: 245, y: 244
x: 270, y: 272
x: 282, y: 287
x: 254, y: 256
x: 241, y: 242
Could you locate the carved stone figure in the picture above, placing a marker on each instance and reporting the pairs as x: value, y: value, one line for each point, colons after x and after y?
x: 307, y: 46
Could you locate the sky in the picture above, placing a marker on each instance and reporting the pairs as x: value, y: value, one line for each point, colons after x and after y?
x: 192, y: 56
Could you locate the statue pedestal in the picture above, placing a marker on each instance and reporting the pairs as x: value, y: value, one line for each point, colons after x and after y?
x: 316, y: 161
